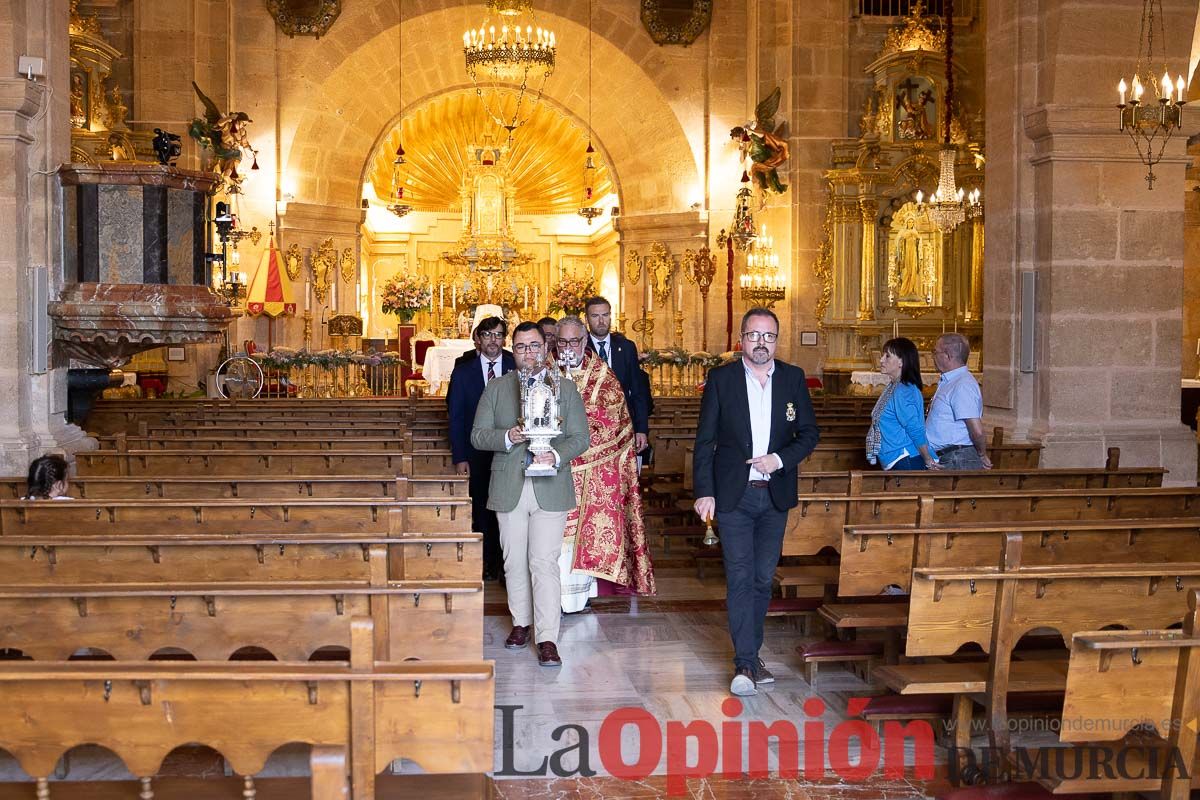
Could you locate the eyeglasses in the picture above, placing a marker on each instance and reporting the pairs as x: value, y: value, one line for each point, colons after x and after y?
x: 495, y: 336
x: 527, y: 348
x: 573, y: 342
x: 754, y: 336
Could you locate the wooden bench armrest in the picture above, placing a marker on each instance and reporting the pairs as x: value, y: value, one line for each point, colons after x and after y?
x: 1076, y: 571
x: 244, y: 671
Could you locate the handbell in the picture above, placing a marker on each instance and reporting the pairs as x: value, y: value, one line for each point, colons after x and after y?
x: 710, y: 536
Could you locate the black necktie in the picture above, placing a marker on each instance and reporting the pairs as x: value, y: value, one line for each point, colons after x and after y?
x: 604, y: 352
x: 491, y: 371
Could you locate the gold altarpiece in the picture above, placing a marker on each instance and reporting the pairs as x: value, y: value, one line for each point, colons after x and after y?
x: 884, y: 267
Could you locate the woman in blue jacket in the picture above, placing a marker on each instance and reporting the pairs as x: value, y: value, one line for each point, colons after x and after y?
x: 896, y: 439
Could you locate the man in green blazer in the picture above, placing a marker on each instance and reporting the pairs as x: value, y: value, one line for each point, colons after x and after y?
x: 532, y: 511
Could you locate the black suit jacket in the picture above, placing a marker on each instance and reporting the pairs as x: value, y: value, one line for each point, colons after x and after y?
x: 723, y: 437
x: 624, y: 359
x: 466, y: 387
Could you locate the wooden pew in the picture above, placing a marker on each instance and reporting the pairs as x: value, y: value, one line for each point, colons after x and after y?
x: 819, y: 518
x: 407, y: 443
x: 1069, y: 527
x: 213, y: 620
x: 254, y: 486
x: 994, y: 606
x: 157, y: 463
x: 436, y: 713
x: 1119, y: 680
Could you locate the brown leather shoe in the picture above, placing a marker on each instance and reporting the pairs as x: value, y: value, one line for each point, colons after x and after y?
x: 548, y: 655
x: 518, y: 638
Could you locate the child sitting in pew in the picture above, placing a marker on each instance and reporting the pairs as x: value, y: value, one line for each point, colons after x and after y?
x: 47, y: 479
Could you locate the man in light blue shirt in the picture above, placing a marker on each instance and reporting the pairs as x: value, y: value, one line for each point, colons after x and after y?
x: 954, y: 425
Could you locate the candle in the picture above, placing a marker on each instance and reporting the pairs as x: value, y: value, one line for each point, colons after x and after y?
x: 537, y: 296
x: 527, y: 295
x: 1121, y: 88
x: 454, y: 298
x: 895, y: 329
x: 1198, y: 347
x: 678, y: 294
x: 441, y: 295
x: 333, y: 296
x: 1180, y: 85
x: 307, y: 294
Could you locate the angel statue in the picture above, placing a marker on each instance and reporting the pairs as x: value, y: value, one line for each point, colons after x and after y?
x: 225, y: 135
x: 765, y: 144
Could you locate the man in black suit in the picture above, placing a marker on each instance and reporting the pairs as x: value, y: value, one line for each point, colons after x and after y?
x: 756, y: 426
x: 621, y: 355
x: 471, y: 374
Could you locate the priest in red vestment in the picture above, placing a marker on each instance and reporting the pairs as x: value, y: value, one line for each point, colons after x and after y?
x: 605, y: 535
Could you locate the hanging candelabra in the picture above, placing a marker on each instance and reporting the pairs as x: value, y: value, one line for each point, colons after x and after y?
x: 397, y: 204
x: 762, y: 283
x: 588, y: 210
x: 509, y: 53
x: 1151, y: 125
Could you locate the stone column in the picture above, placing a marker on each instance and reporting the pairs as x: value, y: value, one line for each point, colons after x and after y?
x: 975, y: 298
x: 1067, y: 201
x: 870, y: 233
x: 34, y: 140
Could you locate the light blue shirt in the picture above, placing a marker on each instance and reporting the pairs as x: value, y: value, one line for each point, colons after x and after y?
x: 759, y: 396
x: 957, y: 399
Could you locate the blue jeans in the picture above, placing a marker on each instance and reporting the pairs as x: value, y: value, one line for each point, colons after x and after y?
x: 751, y: 541
x: 911, y: 463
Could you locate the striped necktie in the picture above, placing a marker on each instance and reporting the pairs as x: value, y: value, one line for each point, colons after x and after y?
x: 491, y: 371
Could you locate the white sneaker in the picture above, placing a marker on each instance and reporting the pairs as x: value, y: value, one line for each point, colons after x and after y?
x: 743, y: 684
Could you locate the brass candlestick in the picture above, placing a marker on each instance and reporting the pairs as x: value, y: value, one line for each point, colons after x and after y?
x: 678, y: 328
x: 308, y: 318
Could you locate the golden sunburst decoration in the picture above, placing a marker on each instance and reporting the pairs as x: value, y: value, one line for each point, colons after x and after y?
x: 544, y: 164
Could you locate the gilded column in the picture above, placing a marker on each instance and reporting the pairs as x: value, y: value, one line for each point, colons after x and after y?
x: 866, y: 299
x: 975, y: 302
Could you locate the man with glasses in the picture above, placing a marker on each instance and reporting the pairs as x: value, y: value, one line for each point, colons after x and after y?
x: 532, y: 511
x: 549, y: 326
x: 471, y: 375
x: 621, y: 356
x: 756, y: 426
x: 606, y: 534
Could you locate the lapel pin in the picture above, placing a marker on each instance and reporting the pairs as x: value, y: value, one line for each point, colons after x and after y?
x: 791, y: 413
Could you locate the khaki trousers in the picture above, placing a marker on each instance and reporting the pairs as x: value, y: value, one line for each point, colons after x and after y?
x: 532, y: 541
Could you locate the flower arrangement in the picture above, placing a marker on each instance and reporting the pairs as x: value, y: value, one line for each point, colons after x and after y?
x: 286, y: 358
x: 570, y: 293
x: 404, y: 295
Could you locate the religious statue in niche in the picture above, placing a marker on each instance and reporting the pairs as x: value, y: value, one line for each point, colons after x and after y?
x: 764, y: 142
x: 79, y: 117
x: 913, y: 259
x: 915, y: 107
x: 226, y: 136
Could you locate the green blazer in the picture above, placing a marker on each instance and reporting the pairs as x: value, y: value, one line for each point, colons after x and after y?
x: 496, y: 413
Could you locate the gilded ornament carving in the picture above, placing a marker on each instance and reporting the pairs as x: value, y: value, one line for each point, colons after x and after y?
x: 662, y: 28
x: 324, y: 264
x: 304, y: 17
x: 349, y: 265
x: 823, y: 267
x: 917, y: 34
x: 293, y: 262
x: 700, y: 269
x: 660, y: 270
x: 633, y: 267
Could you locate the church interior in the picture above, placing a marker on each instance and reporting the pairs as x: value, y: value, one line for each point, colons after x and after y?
x: 250, y: 242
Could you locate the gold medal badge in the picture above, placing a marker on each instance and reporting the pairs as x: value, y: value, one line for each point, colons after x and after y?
x: 791, y: 413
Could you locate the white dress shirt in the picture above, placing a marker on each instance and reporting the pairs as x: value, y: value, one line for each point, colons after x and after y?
x: 759, y: 397
x: 483, y: 363
x: 607, y: 347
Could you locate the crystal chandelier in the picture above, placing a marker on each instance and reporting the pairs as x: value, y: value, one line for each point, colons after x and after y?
x: 945, y: 208
x: 762, y: 283
x: 397, y: 205
x: 589, y: 211
x: 509, y: 48
x: 1149, y: 125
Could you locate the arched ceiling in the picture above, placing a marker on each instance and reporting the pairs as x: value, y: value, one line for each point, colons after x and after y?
x: 546, y: 159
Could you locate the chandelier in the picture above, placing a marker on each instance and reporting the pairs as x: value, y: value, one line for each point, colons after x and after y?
x: 1150, y: 125
x: 587, y: 210
x: 397, y: 205
x: 509, y: 48
x: 945, y: 208
x: 762, y: 283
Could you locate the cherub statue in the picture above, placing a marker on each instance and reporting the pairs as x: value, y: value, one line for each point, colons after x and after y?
x: 225, y: 135
x: 764, y: 143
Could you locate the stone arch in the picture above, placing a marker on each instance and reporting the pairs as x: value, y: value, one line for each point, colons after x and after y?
x: 338, y: 96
